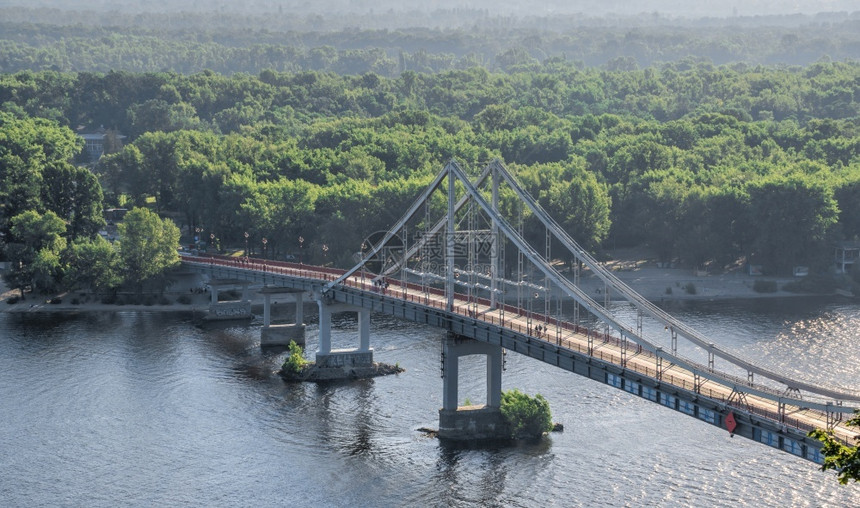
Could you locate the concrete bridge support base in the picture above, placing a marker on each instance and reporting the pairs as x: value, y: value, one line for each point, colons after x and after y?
x: 282, y: 335
x: 469, y: 423
x: 360, y: 357
x: 472, y: 424
x: 229, y: 310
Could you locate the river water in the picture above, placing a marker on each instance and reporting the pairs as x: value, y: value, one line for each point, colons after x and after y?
x: 145, y: 409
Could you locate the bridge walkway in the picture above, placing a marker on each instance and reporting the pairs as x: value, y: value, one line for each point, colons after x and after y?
x: 562, y: 334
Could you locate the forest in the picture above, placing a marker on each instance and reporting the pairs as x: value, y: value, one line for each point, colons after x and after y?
x: 708, y: 164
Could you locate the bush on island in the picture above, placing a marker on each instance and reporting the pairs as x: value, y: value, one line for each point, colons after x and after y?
x: 528, y: 417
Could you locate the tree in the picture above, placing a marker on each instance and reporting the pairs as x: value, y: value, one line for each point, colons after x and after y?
x: 296, y: 362
x: 148, y: 246
x: 94, y: 263
x: 37, y: 243
x: 528, y: 417
x: 840, y: 457
x: 793, y: 215
x: 75, y: 195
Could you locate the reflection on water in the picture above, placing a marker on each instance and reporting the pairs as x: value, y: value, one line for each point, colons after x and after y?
x: 144, y: 409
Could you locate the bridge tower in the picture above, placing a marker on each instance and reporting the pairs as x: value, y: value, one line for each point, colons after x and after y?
x: 466, y: 423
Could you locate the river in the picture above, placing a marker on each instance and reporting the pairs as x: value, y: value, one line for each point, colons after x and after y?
x: 145, y: 409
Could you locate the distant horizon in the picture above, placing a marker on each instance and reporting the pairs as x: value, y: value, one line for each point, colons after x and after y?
x: 690, y: 9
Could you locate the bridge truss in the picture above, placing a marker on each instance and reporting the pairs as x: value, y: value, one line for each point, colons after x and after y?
x: 461, y: 239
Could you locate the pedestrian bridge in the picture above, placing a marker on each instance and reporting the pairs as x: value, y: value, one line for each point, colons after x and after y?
x: 453, y: 275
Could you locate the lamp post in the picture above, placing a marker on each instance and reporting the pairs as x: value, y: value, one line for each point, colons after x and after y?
x: 325, y: 253
x: 301, y: 248
x: 264, y: 247
x: 212, y: 239
x: 197, y: 231
x: 246, y: 245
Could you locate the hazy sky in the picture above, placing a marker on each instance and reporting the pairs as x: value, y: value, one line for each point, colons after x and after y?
x: 670, y: 8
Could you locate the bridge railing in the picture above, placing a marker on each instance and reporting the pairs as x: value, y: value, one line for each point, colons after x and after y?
x: 566, y: 334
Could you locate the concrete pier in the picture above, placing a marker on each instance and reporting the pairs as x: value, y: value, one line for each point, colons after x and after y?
x: 228, y: 310
x: 468, y: 423
x: 282, y: 334
x: 351, y: 358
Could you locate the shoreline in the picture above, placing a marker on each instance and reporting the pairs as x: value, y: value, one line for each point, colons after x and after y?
x: 658, y: 285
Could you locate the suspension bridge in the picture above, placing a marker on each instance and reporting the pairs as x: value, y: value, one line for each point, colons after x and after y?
x: 477, y: 256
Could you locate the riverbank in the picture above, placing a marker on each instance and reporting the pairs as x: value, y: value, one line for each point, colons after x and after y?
x: 637, y: 270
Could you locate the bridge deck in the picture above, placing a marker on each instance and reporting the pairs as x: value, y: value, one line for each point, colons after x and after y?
x: 565, y: 335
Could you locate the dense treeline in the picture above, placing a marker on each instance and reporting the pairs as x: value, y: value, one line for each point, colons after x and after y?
x: 707, y: 164
x: 229, y: 43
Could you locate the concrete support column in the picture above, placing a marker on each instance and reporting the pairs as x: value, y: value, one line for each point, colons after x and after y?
x: 453, y: 348
x: 363, y: 329
x: 300, y: 316
x: 450, y: 377
x: 267, y: 309
x: 471, y: 423
x: 494, y: 376
x: 325, y: 328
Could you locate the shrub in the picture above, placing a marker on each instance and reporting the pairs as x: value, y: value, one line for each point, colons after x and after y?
x: 690, y: 288
x: 12, y: 300
x: 164, y: 300
x: 527, y: 417
x: 811, y: 284
x: 295, y: 363
x: 668, y: 290
x: 764, y: 286
x: 55, y: 300
x: 75, y: 301
x: 184, y: 299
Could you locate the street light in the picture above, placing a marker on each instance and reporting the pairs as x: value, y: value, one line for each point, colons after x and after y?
x: 212, y: 239
x: 197, y: 231
x: 246, y: 244
x: 325, y: 252
x: 301, y: 248
x: 264, y: 247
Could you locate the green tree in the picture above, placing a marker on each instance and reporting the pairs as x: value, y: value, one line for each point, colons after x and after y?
x: 37, y: 241
x: 74, y: 194
x: 148, y: 246
x: 528, y: 417
x: 27, y: 147
x: 844, y: 459
x: 793, y: 216
x: 94, y: 264
x: 295, y: 362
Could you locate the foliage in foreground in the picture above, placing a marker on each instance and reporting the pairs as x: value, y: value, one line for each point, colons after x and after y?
x: 845, y: 460
x: 295, y: 363
x: 528, y: 417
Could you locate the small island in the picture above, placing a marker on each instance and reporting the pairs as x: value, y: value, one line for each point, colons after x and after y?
x: 297, y: 368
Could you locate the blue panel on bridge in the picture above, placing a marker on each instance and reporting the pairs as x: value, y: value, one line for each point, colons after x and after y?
x: 632, y: 387
x: 614, y: 380
x: 650, y: 393
x: 687, y: 407
x: 668, y: 400
x: 709, y: 416
x: 814, y: 454
x: 792, y: 446
x: 769, y: 438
